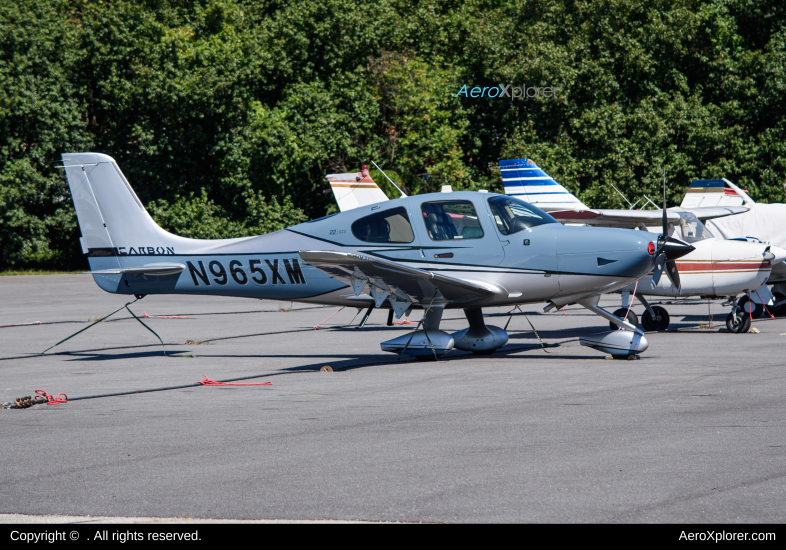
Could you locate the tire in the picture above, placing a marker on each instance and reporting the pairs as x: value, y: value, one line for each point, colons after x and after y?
x: 745, y: 305
x: 649, y: 324
x: 738, y: 322
x: 633, y: 319
x: 779, y: 311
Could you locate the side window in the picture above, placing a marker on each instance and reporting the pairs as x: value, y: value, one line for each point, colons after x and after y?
x: 388, y: 226
x: 448, y: 220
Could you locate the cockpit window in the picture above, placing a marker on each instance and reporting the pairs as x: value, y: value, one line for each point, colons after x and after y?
x: 690, y: 229
x: 448, y: 220
x: 388, y: 226
x: 513, y: 215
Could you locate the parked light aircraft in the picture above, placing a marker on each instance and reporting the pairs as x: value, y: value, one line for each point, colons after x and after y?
x: 763, y: 222
x: 465, y: 250
x: 715, y: 268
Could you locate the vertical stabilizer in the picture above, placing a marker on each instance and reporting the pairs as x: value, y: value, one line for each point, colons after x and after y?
x: 523, y: 178
x: 355, y: 189
x: 705, y: 193
x: 113, y: 221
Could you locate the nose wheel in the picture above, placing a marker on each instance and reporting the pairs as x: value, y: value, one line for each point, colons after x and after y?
x: 633, y: 319
x: 739, y: 321
x: 657, y: 319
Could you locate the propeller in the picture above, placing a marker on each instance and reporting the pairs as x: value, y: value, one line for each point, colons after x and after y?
x: 669, y: 249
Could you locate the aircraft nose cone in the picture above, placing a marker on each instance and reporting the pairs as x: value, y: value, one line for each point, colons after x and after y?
x: 675, y: 248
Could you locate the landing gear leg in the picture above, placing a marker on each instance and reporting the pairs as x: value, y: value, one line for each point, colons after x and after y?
x: 479, y: 338
x: 390, y: 318
x: 738, y: 320
x: 621, y: 312
x: 427, y: 344
x: 365, y: 317
x: 654, y: 318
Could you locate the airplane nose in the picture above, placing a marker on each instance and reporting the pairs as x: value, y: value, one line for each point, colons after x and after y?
x: 775, y: 254
x: 675, y: 248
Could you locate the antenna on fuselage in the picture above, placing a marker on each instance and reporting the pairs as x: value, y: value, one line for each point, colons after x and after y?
x: 390, y: 180
x: 623, y: 196
x: 652, y: 203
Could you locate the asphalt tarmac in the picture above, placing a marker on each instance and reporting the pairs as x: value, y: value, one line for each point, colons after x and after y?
x: 691, y: 432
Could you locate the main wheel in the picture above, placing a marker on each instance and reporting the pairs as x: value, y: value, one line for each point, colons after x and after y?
x: 738, y: 322
x: 746, y: 305
x: 779, y: 311
x: 632, y: 318
x: 659, y: 322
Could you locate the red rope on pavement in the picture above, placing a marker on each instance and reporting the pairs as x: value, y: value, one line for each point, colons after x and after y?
x: 316, y: 327
x: 630, y: 304
x: 146, y: 316
x: 208, y: 382
x: 53, y: 400
x: 764, y: 306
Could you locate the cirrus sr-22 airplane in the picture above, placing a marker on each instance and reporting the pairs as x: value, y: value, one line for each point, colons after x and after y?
x: 465, y: 250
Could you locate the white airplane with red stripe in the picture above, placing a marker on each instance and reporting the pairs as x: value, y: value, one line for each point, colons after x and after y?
x: 716, y: 268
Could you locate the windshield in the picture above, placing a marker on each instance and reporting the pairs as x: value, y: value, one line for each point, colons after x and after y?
x: 690, y: 229
x: 513, y: 215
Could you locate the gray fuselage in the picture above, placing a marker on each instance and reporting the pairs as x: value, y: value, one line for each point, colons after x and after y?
x: 536, y: 264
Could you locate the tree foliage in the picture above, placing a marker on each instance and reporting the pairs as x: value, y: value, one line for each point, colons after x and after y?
x: 226, y: 115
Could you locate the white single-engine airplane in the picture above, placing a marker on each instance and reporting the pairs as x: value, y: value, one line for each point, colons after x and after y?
x: 762, y: 222
x: 465, y: 250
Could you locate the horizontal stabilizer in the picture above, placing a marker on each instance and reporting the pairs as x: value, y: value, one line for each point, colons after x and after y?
x: 154, y: 269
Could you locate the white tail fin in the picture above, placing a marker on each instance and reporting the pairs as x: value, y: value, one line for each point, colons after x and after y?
x: 355, y: 189
x: 722, y: 192
x: 523, y: 178
x: 111, y: 218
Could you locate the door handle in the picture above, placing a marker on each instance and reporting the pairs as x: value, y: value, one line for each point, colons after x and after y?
x: 444, y: 255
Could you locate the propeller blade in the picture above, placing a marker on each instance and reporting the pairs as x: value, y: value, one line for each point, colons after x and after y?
x: 665, y: 215
x: 673, y: 273
x: 660, y: 264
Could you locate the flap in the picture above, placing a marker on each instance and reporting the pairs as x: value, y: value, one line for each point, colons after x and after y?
x: 420, y: 285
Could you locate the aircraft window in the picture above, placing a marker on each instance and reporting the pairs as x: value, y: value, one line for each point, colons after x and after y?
x: 447, y: 220
x: 690, y: 229
x: 513, y: 215
x: 388, y: 226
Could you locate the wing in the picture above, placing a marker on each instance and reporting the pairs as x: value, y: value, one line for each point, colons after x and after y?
x: 614, y: 218
x: 396, y: 281
x: 710, y: 212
